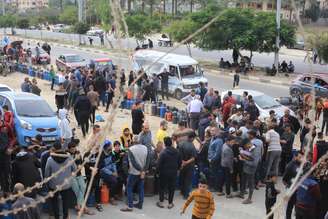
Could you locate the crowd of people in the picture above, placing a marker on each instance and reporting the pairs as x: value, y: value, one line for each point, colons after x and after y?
x: 230, y: 150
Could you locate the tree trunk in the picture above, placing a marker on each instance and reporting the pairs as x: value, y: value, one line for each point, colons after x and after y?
x: 176, y: 7
x: 129, y: 6
x: 151, y: 7
x: 173, y: 7
x: 290, y: 15
x: 61, y: 5
x: 109, y: 42
x: 191, y: 4
x: 189, y: 49
x: 164, y: 6
x: 143, y: 6
x: 250, y: 57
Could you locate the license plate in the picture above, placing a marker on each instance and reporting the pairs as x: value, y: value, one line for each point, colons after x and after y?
x: 48, y: 138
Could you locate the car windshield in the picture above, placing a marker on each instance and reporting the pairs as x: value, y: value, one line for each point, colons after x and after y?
x: 4, y: 89
x: 190, y: 70
x: 103, y: 63
x: 265, y: 102
x: 27, y: 108
x: 74, y: 58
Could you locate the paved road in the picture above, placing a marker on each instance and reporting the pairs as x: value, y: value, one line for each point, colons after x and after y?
x: 217, y: 81
x: 262, y: 60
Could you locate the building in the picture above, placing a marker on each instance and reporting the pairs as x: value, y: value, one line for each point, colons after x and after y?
x: 23, y: 5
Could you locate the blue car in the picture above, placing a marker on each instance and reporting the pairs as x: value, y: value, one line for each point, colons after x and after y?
x: 32, y: 116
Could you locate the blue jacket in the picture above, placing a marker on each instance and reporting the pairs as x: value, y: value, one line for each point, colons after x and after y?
x: 108, y: 167
x: 215, y: 149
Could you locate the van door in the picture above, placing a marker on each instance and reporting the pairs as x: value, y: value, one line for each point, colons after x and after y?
x: 174, y: 79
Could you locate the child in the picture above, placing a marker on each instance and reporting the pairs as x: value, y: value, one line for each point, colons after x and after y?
x: 271, y: 194
x: 204, y: 202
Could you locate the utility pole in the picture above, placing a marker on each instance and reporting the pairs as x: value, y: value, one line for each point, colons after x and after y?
x: 80, y: 15
x: 276, y: 54
x: 3, y: 7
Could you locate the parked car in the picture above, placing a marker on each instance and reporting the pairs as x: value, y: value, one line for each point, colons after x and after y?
x: 263, y: 102
x: 70, y: 61
x: 95, y: 31
x: 299, y: 44
x: 59, y: 28
x: 4, y: 87
x: 306, y: 82
x: 102, y: 64
x: 30, y: 120
x: 44, y: 57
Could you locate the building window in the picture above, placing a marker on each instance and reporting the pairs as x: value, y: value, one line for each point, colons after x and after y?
x: 269, y: 5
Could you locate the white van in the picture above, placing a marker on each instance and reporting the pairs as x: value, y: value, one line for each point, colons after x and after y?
x: 186, y: 73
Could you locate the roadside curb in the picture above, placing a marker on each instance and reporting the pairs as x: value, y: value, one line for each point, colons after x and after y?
x: 210, y: 71
x: 251, y: 78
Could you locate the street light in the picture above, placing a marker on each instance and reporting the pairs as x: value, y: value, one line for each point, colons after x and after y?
x: 276, y: 54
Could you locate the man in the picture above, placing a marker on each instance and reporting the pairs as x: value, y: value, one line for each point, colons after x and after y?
x: 137, y: 118
x: 227, y: 159
x: 93, y: 97
x: 22, y: 201
x: 284, y: 66
x: 289, y: 119
x: 320, y: 148
x: 139, y: 159
x: 5, y: 158
x: 34, y: 87
x: 274, y: 151
x: 307, y: 196
x: 286, y: 141
x: 194, y: 109
x: 289, y: 174
x: 258, y: 153
x: 238, y: 116
x: 83, y: 109
x: 252, y: 110
x: 187, y: 99
x: 64, y: 128
x: 244, y: 101
x: 325, y: 118
x: 214, y: 158
x: 236, y: 78
x: 26, y: 85
x: 155, y: 86
x: 244, y: 129
x: 162, y: 132
x: 61, y: 97
x: 209, y: 99
x: 164, y: 76
x: 201, y: 90
x: 188, y: 155
x: 217, y: 100
x: 145, y: 136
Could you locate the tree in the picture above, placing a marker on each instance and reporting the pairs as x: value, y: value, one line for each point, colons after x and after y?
x: 141, y: 25
x: 313, y: 12
x: 23, y: 23
x: 7, y: 21
x: 320, y: 42
x: 69, y: 15
x: 81, y: 28
x: 181, y: 29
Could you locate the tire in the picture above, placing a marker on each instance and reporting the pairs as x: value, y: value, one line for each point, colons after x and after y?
x: 159, y: 44
x: 165, y: 44
x: 178, y: 94
x: 294, y: 92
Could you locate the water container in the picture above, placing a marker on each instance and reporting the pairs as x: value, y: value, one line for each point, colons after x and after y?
x: 104, y: 194
x: 162, y: 111
x: 175, y: 117
x: 153, y: 109
x: 169, y: 116
x: 149, y: 185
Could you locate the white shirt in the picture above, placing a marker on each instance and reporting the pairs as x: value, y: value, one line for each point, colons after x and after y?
x: 237, y: 118
x: 61, y: 78
x: 195, y: 106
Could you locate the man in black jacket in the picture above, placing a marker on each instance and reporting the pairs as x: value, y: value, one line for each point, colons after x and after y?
x: 83, y: 110
x: 290, y: 173
x: 164, y: 76
x: 5, y: 160
x: 289, y: 119
x: 168, y: 165
x: 252, y: 110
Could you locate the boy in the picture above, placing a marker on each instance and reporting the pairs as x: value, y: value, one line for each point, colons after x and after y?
x: 204, y: 202
x: 271, y: 194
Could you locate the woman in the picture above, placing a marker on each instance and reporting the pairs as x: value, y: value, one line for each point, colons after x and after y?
x: 318, y: 108
x: 110, y: 95
x: 137, y: 118
x: 126, y: 138
x: 168, y: 164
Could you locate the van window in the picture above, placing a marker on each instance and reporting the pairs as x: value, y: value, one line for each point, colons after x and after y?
x: 173, y: 71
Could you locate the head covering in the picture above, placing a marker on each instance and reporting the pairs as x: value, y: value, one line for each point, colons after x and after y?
x: 232, y: 130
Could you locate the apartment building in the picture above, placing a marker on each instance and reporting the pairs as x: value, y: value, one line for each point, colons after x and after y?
x: 23, y: 5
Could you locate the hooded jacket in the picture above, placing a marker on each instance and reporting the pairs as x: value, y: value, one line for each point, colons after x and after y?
x: 26, y: 169
x: 30, y: 213
x: 169, y: 161
x: 55, y: 162
x: 65, y: 130
x: 107, y: 167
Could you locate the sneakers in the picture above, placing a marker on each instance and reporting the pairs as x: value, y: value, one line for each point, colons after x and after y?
x: 160, y: 204
x: 127, y: 209
x: 229, y: 196
x: 247, y: 201
x: 220, y: 194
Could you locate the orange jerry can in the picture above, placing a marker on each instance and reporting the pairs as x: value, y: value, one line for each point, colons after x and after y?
x: 129, y: 94
x: 104, y: 194
x: 169, y: 116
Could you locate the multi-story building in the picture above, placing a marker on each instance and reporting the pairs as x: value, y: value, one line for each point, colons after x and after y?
x: 23, y: 5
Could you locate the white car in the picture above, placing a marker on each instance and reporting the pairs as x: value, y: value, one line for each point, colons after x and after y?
x: 4, y: 87
x: 263, y: 102
x: 60, y: 28
x: 95, y: 31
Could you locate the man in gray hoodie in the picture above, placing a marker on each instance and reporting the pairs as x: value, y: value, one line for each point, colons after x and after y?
x: 227, y: 157
x: 57, y: 160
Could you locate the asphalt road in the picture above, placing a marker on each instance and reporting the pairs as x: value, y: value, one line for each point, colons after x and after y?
x: 218, y: 82
x: 262, y: 60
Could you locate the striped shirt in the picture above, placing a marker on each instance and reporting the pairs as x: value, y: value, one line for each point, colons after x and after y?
x: 204, y: 204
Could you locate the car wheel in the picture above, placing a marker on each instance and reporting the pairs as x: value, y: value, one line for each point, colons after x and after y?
x: 295, y: 92
x: 178, y: 94
x: 159, y: 43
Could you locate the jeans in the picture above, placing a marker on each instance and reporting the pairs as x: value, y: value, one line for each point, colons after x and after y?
x: 167, y: 183
x: 273, y: 158
x: 268, y: 206
x: 194, y: 120
x: 111, y: 182
x: 93, y: 115
x: 237, y: 170
x: 52, y: 83
x: 102, y: 97
x: 304, y: 214
x: 165, y: 92
x: 324, y: 125
x: 260, y: 171
x: 235, y: 83
x: 247, y: 179
x: 65, y: 143
x: 134, y: 180
x: 285, y: 158
x: 186, y: 181
x: 109, y: 100
x: 84, y: 122
x: 78, y: 187
x: 228, y: 179
x: 216, y: 177
x: 65, y: 195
